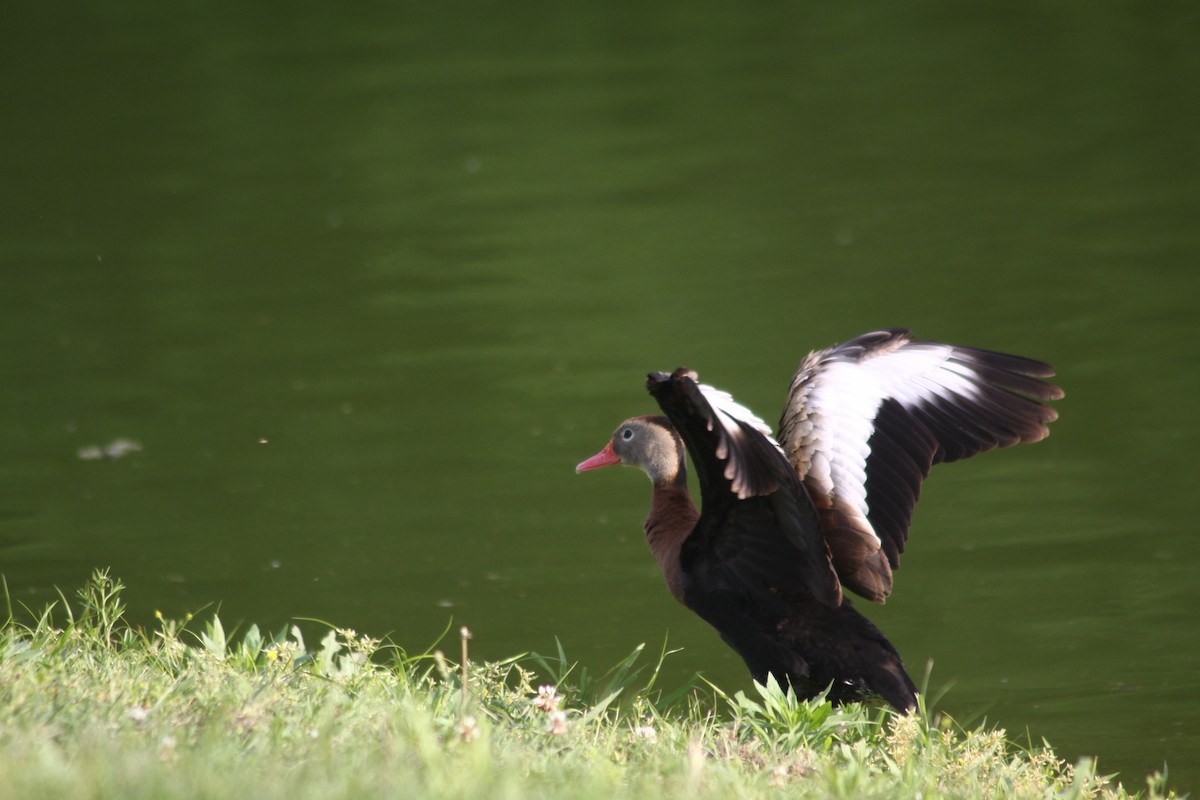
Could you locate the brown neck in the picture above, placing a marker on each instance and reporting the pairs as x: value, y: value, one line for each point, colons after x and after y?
x: 672, y: 518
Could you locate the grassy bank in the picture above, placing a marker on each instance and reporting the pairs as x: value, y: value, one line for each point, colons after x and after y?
x: 91, y: 707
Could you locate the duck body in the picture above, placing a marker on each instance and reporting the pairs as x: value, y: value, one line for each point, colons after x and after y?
x: 785, y: 524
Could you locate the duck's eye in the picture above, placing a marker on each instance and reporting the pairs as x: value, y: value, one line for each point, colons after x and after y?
x: 627, y: 434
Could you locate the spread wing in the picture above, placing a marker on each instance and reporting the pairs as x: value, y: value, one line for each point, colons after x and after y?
x: 758, y: 531
x: 865, y: 421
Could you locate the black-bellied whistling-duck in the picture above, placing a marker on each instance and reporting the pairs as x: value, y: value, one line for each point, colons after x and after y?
x: 787, y: 523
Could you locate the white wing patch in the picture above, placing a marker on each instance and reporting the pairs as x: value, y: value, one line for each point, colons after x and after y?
x: 732, y: 412
x: 865, y: 421
x: 834, y: 404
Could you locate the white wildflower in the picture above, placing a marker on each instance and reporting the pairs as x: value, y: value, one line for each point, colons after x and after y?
x: 547, y: 699
x: 468, y: 728
x: 646, y: 732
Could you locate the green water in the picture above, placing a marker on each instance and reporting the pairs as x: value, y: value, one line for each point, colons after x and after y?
x: 365, y: 285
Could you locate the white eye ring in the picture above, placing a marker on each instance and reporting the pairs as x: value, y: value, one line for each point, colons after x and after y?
x: 627, y: 434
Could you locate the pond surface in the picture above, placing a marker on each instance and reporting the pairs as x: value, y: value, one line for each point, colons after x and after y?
x: 365, y: 285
